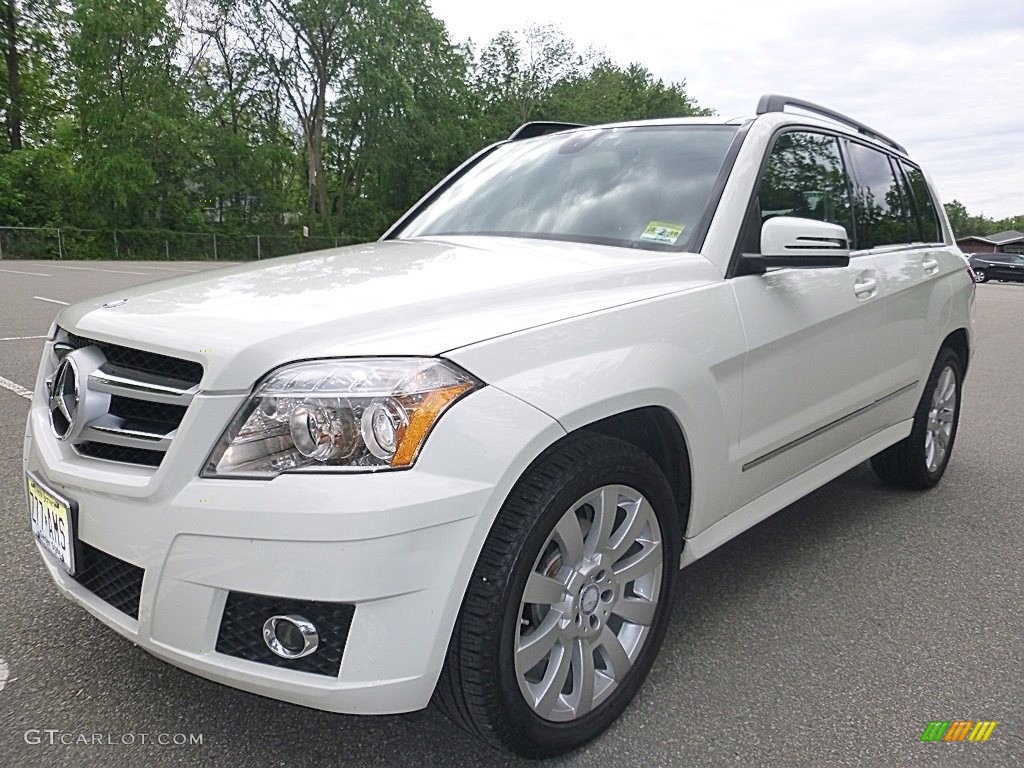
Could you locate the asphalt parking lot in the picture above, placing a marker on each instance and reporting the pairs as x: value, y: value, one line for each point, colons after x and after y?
x: 830, y: 634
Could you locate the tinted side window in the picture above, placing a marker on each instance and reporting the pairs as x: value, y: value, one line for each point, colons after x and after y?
x: 923, y: 205
x: 877, y: 200
x: 805, y: 177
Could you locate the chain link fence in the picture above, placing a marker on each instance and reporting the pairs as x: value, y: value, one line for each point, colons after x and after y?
x: 74, y: 243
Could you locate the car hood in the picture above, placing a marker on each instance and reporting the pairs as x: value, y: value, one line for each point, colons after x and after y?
x: 398, y: 297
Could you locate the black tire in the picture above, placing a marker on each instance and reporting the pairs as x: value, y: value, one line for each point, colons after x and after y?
x: 478, y: 689
x: 980, y: 276
x: 905, y: 463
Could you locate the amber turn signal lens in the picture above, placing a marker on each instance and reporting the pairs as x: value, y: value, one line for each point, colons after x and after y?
x: 423, y: 418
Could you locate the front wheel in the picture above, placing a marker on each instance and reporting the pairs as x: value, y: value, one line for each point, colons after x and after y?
x: 920, y: 460
x: 569, y: 600
x: 980, y: 276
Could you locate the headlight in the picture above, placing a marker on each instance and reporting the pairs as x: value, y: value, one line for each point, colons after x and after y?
x: 355, y: 415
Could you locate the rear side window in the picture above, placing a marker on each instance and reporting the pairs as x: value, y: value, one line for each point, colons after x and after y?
x: 924, y: 216
x: 805, y: 177
x: 878, y: 202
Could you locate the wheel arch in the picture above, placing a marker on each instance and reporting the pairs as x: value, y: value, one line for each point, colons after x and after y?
x: 656, y: 432
x: 960, y: 343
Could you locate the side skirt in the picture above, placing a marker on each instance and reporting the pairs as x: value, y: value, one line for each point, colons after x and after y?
x: 755, y: 511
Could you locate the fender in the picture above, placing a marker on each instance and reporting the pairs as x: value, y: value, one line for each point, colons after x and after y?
x: 682, y: 351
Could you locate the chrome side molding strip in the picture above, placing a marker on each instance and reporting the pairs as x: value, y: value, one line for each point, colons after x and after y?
x: 831, y: 425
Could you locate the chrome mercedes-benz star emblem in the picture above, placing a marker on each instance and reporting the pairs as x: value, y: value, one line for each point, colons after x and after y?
x: 63, y: 403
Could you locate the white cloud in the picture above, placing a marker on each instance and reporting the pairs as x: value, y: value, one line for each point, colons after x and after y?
x: 943, y: 77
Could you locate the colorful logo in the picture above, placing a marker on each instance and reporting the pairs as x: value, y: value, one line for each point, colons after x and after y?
x: 958, y: 730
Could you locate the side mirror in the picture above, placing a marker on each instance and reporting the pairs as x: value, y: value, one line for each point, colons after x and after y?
x: 788, y: 241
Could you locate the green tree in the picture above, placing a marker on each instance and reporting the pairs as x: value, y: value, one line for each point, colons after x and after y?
x: 310, y: 47
x: 33, y: 89
x: 401, y: 119
x: 256, y: 115
x: 137, y: 151
x: 34, y: 182
x: 248, y: 167
x: 965, y: 223
x: 958, y: 216
x: 366, y: 86
x: 36, y: 150
x: 537, y: 74
x: 10, y: 19
x: 607, y: 93
x: 517, y: 73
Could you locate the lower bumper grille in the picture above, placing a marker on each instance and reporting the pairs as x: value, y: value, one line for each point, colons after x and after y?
x: 241, y: 631
x: 120, y: 453
x: 111, y: 579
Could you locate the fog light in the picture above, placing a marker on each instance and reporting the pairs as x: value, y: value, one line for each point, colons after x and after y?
x: 290, y: 637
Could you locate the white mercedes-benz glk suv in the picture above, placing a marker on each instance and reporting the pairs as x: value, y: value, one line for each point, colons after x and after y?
x: 466, y: 462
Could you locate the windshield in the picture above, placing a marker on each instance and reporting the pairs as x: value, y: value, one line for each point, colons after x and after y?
x: 642, y: 187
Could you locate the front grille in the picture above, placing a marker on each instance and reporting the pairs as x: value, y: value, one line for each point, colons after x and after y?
x: 110, y: 579
x: 120, y: 453
x: 140, y: 360
x: 144, y: 414
x: 241, y: 630
x: 149, y: 394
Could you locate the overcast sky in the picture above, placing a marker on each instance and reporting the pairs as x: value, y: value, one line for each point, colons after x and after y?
x: 944, y: 77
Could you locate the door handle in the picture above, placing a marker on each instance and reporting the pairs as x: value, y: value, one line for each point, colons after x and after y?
x: 865, y: 287
x: 930, y: 265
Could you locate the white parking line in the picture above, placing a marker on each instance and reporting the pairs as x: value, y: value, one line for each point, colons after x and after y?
x: 52, y: 301
x: 22, y: 272
x: 15, y: 388
x: 20, y: 338
x: 5, y: 672
x: 98, y: 269
x: 171, y: 269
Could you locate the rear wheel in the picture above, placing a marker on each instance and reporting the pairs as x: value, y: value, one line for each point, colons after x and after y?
x: 980, y: 276
x: 569, y: 600
x: 920, y: 460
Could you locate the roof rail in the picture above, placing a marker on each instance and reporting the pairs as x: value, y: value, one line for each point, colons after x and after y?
x: 541, y: 128
x: 773, y: 102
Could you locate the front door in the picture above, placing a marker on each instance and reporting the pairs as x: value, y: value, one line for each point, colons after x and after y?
x: 811, y: 372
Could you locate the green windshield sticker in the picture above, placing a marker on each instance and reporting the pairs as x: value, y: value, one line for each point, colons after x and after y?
x: 661, y: 232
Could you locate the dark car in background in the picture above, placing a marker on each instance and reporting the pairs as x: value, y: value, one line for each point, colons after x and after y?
x: 996, y: 266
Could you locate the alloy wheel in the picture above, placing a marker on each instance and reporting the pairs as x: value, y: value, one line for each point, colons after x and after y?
x: 589, y: 603
x: 939, y: 430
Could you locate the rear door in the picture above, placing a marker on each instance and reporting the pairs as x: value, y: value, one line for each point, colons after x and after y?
x: 1007, y: 266
x: 1017, y: 262
x: 897, y: 222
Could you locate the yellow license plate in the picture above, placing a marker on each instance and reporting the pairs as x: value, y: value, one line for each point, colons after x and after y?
x: 52, y: 522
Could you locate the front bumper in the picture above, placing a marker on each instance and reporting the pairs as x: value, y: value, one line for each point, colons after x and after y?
x: 399, y: 546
